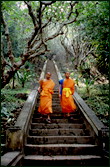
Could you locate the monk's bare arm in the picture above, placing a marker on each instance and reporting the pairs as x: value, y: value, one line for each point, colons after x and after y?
x: 59, y: 91
x: 73, y: 89
x: 40, y: 87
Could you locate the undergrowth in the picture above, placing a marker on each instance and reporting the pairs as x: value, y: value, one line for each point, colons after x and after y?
x: 98, y: 100
x: 10, y: 101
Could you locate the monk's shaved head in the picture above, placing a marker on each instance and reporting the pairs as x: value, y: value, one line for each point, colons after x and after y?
x: 48, y: 75
x: 67, y: 74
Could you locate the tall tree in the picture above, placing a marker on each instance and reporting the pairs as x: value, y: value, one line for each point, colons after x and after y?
x: 43, y: 14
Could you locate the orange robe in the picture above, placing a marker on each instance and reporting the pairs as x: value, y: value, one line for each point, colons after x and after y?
x: 46, y: 96
x: 67, y: 102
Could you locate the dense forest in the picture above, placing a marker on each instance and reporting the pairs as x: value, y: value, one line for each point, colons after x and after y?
x: 74, y: 33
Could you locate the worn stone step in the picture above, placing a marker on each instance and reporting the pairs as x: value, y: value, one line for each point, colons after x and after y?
x: 58, y: 132
x: 56, y: 100
x: 60, y: 140
x: 61, y: 149
x: 57, y: 126
x: 39, y: 120
x: 55, y: 95
x: 53, y: 105
x: 63, y: 160
x: 54, y: 116
x: 54, y: 109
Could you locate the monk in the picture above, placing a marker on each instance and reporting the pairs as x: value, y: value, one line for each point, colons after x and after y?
x: 66, y: 90
x: 47, y: 86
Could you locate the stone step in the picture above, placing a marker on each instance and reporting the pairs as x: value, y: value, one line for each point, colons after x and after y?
x: 39, y: 120
x: 56, y: 100
x: 53, y: 105
x: 57, y: 126
x: 60, y: 140
x: 55, y: 95
x: 54, y: 109
x: 63, y: 160
x: 61, y: 149
x: 58, y: 132
x: 54, y: 116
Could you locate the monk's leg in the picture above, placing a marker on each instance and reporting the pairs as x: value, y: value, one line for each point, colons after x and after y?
x: 48, y: 118
x: 41, y: 116
x: 68, y: 114
x: 64, y: 115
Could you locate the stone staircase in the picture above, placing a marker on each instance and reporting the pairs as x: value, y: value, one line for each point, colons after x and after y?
x: 63, y: 142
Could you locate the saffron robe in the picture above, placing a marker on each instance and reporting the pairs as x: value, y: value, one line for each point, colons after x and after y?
x: 67, y: 102
x: 46, y: 96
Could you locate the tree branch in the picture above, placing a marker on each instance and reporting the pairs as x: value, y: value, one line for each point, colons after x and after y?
x: 73, y: 20
x: 83, y: 58
x: 37, y: 54
x: 28, y: 3
x: 71, y: 10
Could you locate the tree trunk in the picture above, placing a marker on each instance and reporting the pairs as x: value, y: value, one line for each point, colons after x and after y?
x: 13, y: 83
x: 22, y: 84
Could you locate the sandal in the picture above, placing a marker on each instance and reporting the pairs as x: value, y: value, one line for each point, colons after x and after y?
x: 70, y: 117
x: 49, y: 121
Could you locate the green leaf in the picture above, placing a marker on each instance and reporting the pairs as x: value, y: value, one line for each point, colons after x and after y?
x: 28, y: 30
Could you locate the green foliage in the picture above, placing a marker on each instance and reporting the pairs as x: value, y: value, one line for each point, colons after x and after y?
x: 17, y: 59
x: 77, y: 79
x: 98, y: 100
x: 94, y: 28
x: 72, y: 59
x: 9, y: 101
x: 27, y: 65
x: 14, y: 17
x: 72, y: 74
x: 4, y: 112
x: 23, y: 76
x: 88, y: 83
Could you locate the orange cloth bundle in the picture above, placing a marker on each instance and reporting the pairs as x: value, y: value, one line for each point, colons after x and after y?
x: 67, y: 102
x: 46, y: 96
